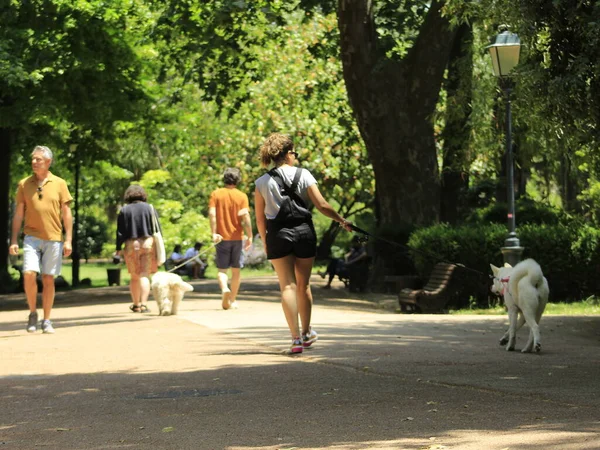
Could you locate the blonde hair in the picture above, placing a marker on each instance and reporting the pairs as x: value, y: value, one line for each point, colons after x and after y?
x: 275, y: 148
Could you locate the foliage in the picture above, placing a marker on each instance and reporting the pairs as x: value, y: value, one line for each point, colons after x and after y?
x: 68, y: 71
x: 179, y: 226
x: 169, y: 93
x: 557, y: 248
x: 291, y: 82
x: 92, y: 234
x: 526, y: 212
x: 556, y: 106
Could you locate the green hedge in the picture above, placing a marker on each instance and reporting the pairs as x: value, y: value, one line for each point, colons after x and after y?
x: 568, y: 254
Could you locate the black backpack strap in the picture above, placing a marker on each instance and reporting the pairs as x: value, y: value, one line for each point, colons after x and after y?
x: 296, y: 180
x: 290, y: 191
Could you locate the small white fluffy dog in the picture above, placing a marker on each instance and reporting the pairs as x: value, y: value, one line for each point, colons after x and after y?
x: 168, y: 290
x: 525, y: 292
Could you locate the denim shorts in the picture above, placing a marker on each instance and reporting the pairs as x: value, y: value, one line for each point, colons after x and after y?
x: 229, y: 254
x: 45, y: 254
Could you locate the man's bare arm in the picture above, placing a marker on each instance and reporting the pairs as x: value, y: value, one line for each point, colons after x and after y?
x: 212, y: 219
x: 247, y: 226
x: 16, y: 227
x: 67, y: 217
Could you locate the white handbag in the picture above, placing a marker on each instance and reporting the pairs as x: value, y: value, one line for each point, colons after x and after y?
x: 159, y: 243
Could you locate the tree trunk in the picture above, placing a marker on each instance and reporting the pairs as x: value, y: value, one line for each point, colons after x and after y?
x: 393, y: 102
x: 75, y: 256
x: 5, y: 150
x: 570, y: 187
x: 457, y: 158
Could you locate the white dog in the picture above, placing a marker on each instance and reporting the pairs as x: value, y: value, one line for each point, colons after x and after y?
x: 525, y: 291
x: 168, y: 290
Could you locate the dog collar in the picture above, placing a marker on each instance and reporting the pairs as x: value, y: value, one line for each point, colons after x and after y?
x: 504, y: 286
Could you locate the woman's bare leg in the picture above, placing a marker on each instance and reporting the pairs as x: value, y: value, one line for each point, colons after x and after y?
x: 284, y: 267
x: 304, y: 299
x: 144, y: 292
x: 135, y: 289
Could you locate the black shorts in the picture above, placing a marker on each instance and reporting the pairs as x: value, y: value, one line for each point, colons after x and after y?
x: 229, y: 254
x: 283, y: 240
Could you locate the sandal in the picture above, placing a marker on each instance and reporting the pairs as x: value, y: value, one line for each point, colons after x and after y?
x: 135, y: 308
x: 144, y: 309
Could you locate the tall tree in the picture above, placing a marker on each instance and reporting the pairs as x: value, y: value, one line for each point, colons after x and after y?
x: 67, y: 72
x: 457, y: 154
x: 270, y: 66
x: 394, y: 97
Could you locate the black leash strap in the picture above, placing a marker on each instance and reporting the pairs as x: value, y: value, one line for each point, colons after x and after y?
x: 406, y: 247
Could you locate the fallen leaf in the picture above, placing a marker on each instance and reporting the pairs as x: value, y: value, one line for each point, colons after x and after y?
x: 167, y: 429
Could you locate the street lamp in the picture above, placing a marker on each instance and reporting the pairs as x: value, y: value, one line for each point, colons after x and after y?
x: 505, y: 56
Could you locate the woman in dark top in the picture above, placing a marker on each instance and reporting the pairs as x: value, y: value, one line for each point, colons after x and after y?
x: 134, y: 233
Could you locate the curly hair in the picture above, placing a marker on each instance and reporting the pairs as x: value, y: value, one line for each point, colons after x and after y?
x: 135, y: 193
x: 274, y: 148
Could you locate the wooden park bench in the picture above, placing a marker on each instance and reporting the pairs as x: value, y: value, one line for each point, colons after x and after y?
x: 435, y: 294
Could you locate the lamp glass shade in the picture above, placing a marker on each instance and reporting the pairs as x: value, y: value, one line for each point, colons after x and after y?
x: 505, y: 53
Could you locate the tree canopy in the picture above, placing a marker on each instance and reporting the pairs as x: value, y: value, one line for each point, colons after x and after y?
x: 391, y: 103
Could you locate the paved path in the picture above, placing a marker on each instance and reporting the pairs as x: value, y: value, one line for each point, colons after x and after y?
x: 214, y: 379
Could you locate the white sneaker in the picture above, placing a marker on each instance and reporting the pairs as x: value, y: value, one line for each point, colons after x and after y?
x: 309, y: 338
x: 234, y: 305
x: 47, y: 327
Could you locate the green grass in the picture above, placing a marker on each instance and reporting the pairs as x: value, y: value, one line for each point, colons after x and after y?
x: 96, y: 272
x: 589, y: 306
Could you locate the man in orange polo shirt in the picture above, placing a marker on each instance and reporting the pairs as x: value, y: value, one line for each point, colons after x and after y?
x: 228, y: 212
x: 41, y: 200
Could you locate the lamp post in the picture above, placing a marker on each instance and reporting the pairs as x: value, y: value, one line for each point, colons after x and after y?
x: 505, y: 56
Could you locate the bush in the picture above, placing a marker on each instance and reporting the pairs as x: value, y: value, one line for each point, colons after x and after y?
x: 526, y: 211
x: 92, y: 235
x: 568, y: 254
x: 474, y: 247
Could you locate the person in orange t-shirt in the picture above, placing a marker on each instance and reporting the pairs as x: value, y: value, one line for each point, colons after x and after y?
x: 229, y: 215
x: 41, y: 200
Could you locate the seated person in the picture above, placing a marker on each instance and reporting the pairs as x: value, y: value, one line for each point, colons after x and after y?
x: 195, y: 266
x: 175, y: 259
x: 342, y: 267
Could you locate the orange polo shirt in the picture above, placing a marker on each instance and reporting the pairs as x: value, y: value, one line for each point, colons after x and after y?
x: 228, y: 203
x: 42, y: 215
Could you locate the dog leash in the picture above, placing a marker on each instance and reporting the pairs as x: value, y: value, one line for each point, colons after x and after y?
x: 406, y: 247
x: 192, y: 258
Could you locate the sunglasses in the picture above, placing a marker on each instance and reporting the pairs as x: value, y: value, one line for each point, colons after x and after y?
x: 294, y: 153
x: 39, y: 191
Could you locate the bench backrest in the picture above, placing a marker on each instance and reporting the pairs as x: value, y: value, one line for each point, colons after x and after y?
x: 440, y: 276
